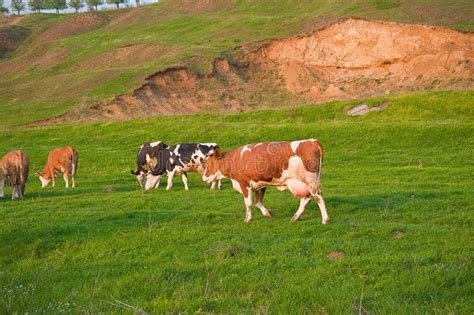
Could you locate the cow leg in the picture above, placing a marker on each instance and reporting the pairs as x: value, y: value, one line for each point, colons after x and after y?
x: 66, y: 179
x: 303, y: 203
x: 15, y: 193
x: 322, y: 206
x: 248, y: 202
x: 219, y: 185
x: 19, y: 194
x: 73, y: 178
x: 258, y: 199
x: 184, y: 177
x: 158, y: 181
x: 170, y: 180
x: 2, y: 188
x: 53, y: 178
x: 213, y: 185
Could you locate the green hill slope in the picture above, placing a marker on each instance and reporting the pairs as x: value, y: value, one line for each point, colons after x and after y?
x: 83, y: 59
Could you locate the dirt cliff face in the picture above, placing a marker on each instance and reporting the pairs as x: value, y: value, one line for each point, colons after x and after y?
x: 348, y: 59
x: 228, y: 88
x: 358, y: 58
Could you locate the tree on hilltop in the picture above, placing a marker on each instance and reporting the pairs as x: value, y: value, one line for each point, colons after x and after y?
x: 76, y: 4
x: 116, y: 2
x: 93, y: 4
x: 37, y: 5
x: 18, y: 6
x: 56, y: 4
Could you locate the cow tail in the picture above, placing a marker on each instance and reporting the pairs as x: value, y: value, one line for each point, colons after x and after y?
x: 19, y: 166
x: 321, y: 153
x: 75, y: 159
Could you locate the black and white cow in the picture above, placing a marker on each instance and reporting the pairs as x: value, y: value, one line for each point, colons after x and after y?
x: 148, y: 156
x: 180, y: 159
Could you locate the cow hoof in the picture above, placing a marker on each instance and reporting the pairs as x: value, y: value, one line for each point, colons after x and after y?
x: 325, y: 221
x: 268, y: 214
x: 294, y: 219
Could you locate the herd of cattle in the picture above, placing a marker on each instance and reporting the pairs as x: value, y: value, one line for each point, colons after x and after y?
x: 252, y: 168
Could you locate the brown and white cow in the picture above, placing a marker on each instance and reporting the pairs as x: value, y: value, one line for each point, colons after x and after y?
x: 62, y: 160
x: 14, y: 168
x: 292, y: 165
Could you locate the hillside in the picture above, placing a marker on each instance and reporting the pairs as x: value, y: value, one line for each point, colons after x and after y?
x: 93, y: 66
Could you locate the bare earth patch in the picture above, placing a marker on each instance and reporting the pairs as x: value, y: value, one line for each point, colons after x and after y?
x: 335, y: 256
x: 359, y: 58
x: 108, y: 189
x: 398, y: 235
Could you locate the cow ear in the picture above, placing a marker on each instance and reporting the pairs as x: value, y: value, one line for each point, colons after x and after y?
x: 214, y: 152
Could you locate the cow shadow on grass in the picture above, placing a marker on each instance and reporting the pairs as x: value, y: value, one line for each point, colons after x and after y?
x: 122, y: 185
x: 34, y: 190
x: 338, y: 206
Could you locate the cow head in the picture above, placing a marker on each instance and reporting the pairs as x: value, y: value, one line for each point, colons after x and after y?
x: 211, y: 171
x: 151, y: 180
x: 43, y: 179
x: 153, y: 177
x: 208, y: 148
x: 141, y: 177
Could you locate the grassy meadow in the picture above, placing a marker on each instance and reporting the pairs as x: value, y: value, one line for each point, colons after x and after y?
x: 397, y: 184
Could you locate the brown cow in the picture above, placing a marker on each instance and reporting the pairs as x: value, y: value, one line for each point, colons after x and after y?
x: 292, y: 165
x: 14, y: 168
x: 60, y: 160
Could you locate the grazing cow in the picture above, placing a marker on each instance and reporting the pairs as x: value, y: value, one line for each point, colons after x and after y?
x: 14, y: 167
x: 60, y: 160
x: 292, y: 165
x: 180, y: 159
x: 148, y: 156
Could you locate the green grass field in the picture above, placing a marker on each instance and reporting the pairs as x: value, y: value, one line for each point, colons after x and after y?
x: 106, y: 246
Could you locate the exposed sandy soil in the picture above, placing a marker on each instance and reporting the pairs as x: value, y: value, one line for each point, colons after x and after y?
x: 358, y: 58
x: 182, y: 91
x: 348, y: 59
